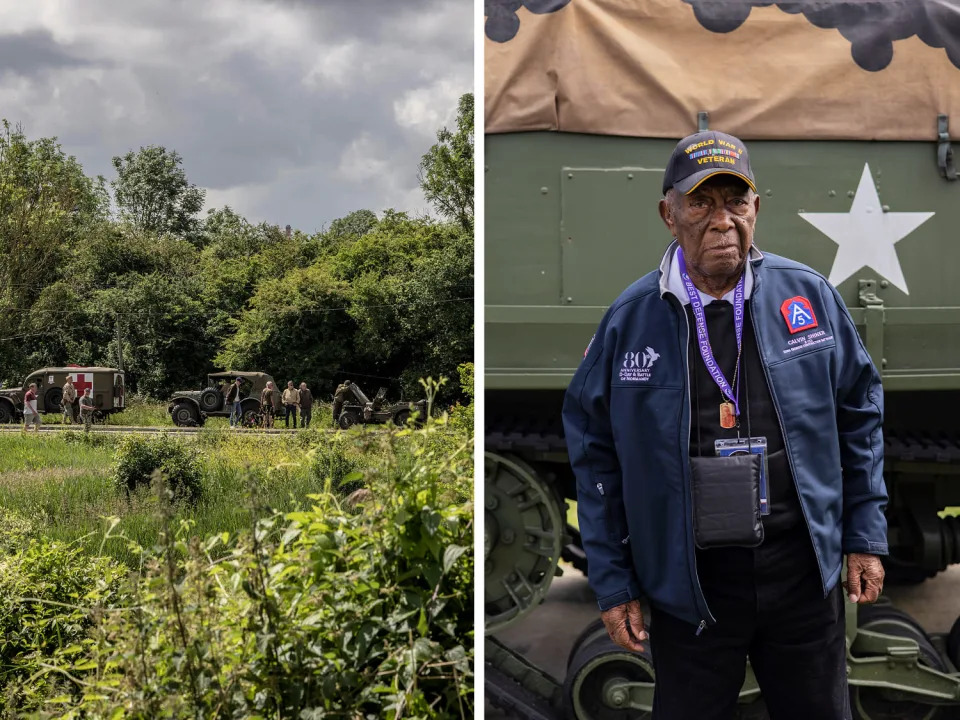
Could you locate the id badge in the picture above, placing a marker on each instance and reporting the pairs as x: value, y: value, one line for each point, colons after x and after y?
x: 742, y: 446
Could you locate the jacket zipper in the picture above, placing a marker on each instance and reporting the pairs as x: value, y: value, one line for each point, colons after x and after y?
x: 783, y: 432
x: 697, y: 590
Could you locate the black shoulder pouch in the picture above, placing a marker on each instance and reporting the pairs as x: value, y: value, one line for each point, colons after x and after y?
x: 726, y: 501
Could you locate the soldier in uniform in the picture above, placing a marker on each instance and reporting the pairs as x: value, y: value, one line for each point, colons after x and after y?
x: 343, y: 390
x: 86, y: 408
x: 266, y: 404
x: 67, y: 401
x: 306, y: 405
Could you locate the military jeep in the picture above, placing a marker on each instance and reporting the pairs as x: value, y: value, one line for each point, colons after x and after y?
x: 191, y: 408
x: 366, y: 411
x: 107, y: 385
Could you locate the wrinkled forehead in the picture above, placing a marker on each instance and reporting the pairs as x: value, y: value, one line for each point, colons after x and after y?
x: 725, y: 184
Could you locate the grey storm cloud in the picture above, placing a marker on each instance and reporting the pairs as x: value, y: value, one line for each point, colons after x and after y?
x: 289, y: 112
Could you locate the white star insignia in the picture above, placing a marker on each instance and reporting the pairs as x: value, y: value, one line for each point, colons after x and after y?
x: 866, y: 235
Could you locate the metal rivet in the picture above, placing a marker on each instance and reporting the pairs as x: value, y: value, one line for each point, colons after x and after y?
x: 884, y: 283
x: 885, y: 208
x: 769, y: 193
x: 832, y: 193
x: 850, y: 193
x: 491, y: 503
x: 569, y: 175
x: 544, y: 190
x: 801, y: 210
x: 883, y: 362
x: 629, y: 176
x: 569, y: 299
x: 486, y: 168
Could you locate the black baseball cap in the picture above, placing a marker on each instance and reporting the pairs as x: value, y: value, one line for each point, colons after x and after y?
x: 703, y: 155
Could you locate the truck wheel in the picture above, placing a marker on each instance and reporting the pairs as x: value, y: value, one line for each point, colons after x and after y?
x: 401, y: 418
x: 348, y: 418
x: 210, y: 400
x: 6, y: 413
x: 184, y: 415
x: 52, y: 400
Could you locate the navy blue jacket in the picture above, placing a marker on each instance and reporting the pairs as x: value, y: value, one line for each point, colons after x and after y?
x: 626, y: 415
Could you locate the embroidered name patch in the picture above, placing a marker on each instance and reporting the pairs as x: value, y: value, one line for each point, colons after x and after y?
x: 798, y: 314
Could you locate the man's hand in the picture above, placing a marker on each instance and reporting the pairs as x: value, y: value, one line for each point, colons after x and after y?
x: 624, y: 625
x: 864, y: 577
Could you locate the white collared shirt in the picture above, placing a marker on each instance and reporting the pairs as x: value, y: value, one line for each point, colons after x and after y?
x: 674, y: 283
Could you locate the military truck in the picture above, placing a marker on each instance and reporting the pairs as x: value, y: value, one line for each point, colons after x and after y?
x: 849, y: 110
x: 191, y: 408
x: 106, y: 383
x: 378, y: 411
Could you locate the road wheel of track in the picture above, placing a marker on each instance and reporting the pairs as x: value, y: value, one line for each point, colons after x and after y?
x: 52, y: 399
x: 878, y: 704
x: 347, y: 419
x: 589, y: 634
x: 6, y: 413
x: 184, y: 415
x: 401, y: 417
x: 210, y: 400
x: 522, y: 537
x: 598, y: 663
x: 953, y: 644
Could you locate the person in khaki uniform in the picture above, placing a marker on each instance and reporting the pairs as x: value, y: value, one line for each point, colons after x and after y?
x: 67, y: 401
x: 291, y: 401
x: 266, y: 404
x: 86, y: 409
x: 343, y: 391
x: 306, y: 405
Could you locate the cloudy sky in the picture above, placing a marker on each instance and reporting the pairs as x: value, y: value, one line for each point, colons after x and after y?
x: 289, y: 112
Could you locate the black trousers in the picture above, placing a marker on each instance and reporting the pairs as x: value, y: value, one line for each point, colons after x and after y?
x: 306, y: 414
x: 769, y: 605
x: 291, y: 413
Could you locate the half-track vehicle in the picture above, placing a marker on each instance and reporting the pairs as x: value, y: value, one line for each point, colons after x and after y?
x: 191, y: 408
x: 106, y: 384
x: 849, y: 116
x: 378, y: 411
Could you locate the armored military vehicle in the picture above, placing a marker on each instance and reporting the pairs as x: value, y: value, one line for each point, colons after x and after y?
x: 107, y: 385
x: 849, y: 109
x: 191, y: 408
x: 378, y: 411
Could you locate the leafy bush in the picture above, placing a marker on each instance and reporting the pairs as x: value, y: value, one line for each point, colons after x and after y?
x: 50, y: 594
x: 331, y: 461
x: 138, y: 457
x: 322, y: 613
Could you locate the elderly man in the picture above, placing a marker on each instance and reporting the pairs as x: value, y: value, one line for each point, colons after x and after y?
x: 306, y: 405
x: 291, y: 401
x: 725, y: 431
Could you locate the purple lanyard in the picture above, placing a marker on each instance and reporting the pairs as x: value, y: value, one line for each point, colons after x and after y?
x: 703, y: 339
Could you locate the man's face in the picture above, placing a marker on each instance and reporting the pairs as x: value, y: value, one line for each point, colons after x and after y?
x: 303, y: 386
x: 714, y: 225
x: 290, y: 384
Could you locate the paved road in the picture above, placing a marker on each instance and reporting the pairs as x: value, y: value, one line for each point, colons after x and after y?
x: 546, y: 635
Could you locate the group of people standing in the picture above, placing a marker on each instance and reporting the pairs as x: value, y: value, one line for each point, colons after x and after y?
x: 31, y: 414
x: 292, y: 400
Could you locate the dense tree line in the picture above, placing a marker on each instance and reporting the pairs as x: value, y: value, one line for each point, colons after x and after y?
x: 382, y: 299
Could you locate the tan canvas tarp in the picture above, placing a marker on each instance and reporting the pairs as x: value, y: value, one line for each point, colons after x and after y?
x: 646, y: 67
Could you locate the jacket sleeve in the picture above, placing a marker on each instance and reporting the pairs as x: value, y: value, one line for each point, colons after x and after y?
x: 859, y: 426
x: 600, y: 509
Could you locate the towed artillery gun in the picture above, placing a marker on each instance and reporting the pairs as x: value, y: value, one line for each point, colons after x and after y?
x: 378, y: 411
x: 860, y: 185
x: 106, y: 384
x: 191, y: 408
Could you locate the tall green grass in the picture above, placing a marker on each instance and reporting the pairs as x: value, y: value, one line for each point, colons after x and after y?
x: 64, y: 484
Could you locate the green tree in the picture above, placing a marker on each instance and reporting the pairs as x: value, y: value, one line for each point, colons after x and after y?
x: 152, y: 192
x: 446, y: 170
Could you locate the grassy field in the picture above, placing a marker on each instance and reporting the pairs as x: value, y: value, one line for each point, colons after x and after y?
x: 151, y: 413
x: 64, y: 483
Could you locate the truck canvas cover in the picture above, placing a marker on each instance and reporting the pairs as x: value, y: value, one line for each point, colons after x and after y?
x: 816, y: 69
